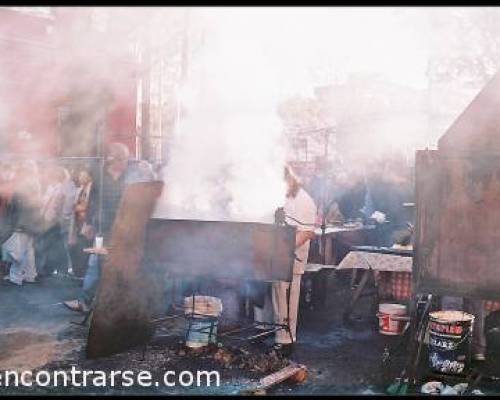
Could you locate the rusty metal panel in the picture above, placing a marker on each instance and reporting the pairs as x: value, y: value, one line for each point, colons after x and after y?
x: 457, y: 243
x: 122, y: 311
x: 221, y: 249
x: 457, y: 246
x: 427, y: 194
x: 477, y: 129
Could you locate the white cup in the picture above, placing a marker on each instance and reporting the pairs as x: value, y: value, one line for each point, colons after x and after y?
x: 98, y: 242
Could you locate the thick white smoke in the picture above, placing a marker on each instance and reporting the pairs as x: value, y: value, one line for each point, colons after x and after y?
x: 228, y: 156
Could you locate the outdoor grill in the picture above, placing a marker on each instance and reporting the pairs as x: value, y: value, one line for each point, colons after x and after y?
x: 145, y: 252
x: 221, y: 249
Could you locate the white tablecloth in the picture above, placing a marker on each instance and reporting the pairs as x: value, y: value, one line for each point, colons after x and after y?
x: 337, y: 229
x: 376, y: 262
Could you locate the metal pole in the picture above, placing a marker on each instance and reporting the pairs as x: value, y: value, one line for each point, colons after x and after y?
x: 160, y: 113
x: 325, y: 207
x: 146, y: 98
x: 100, y: 154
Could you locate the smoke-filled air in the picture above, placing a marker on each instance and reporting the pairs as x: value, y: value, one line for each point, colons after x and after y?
x: 230, y: 146
x: 257, y: 80
x: 229, y: 150
x: 249, y: 200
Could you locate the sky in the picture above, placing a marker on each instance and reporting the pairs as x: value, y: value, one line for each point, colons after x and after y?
x: 309, y: 46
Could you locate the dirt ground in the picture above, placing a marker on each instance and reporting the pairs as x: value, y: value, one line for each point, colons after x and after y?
x: 341, y: 358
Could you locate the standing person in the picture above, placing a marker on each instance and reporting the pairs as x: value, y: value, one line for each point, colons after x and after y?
x: 25, y: 222
x: 79, y: 239
x: 119, y: 172
x: 52, y: 247
x: 69, y: 190
x: 7, y: 174
x: 300, y: 211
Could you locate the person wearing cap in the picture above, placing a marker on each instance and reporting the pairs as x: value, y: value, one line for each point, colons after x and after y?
x: 300, y: 211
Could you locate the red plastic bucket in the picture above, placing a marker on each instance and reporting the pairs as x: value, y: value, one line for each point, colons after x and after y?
x: 391, y: 319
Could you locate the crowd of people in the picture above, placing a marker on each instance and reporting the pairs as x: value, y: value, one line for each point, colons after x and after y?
x: 49, y: 214
x: 38, y: 219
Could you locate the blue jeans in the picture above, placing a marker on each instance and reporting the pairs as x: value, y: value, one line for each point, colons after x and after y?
x: 91, y: 279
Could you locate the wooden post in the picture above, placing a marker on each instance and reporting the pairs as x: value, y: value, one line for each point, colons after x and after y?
x: 123, y: 304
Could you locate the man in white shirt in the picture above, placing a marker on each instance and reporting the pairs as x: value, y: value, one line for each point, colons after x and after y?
x: 300, y: 211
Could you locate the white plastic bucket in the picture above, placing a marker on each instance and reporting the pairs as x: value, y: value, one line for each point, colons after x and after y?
x: 389, y: 318
x: 203, y: 305
x: 202, y: 326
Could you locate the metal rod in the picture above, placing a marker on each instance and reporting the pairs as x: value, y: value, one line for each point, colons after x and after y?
x: 227, y: 333
x: 99, y: 129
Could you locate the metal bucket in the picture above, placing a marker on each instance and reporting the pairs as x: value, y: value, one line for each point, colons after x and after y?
x: 201, y: 320
x: 201, y: 331
x: 450, y: 334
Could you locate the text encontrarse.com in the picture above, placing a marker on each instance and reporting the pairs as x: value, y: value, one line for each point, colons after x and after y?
x: 96, y: 378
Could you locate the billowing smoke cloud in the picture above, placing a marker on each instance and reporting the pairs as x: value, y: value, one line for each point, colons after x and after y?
x: 228, y: 156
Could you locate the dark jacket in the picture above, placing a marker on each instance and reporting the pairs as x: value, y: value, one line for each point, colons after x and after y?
x: 20, y: 216
x: 112, y: 191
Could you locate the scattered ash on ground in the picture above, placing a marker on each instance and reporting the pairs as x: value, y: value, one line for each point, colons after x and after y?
x: 238, y: 366
x: 341, y: 357
x: 28, y: 348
